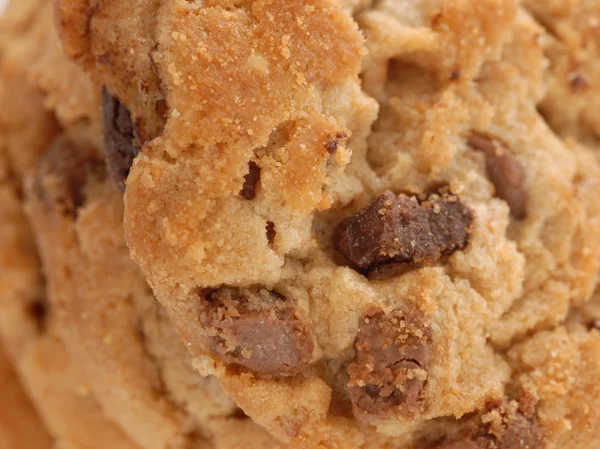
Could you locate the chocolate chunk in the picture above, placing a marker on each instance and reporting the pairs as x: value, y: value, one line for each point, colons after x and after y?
x: 271, y: 233
x: 504, y: 171
x: 38, y: 311
x: 390, y: 370
x: 120, y: 143
x: 593, y: 324
x: 333, y: 141
x: 503, y: 428
x: 257, y: 330
x: 400, y: 229
x: 239, y: 414
x: 516, y: 432
x: 251, y: 181
x: 455, y: 75
x: 161, y: 108
x: 62, y: 173
x: 578, y: 83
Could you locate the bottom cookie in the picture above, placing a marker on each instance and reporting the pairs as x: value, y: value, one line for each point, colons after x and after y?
x: 30, y: 332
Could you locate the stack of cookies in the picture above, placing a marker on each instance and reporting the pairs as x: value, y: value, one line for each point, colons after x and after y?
x: 332, y: 224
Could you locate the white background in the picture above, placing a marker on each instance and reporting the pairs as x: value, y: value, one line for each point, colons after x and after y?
x: 2, y: 5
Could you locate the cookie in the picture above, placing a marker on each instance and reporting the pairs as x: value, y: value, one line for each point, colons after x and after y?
x: 295, y: 347
x: 30, y: 330
x: 358, y: 260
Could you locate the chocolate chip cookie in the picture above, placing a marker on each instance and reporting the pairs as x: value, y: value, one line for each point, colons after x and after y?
x: 354, y: 213
x: 31, y: 331
x: 372, y: 224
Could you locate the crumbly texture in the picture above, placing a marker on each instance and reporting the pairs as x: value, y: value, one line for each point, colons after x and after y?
x: 373, y: 182
x: 355, y: 217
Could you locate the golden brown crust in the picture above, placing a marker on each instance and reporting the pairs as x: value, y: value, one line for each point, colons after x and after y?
x: 243, y: 186
x: 557, y: 369
x: 239, y: 185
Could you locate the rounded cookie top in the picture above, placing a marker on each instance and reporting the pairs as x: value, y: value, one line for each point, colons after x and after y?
x: 351, y: 257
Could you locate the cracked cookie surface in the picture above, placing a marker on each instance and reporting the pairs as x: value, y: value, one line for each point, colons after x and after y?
x: 296, y: 193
